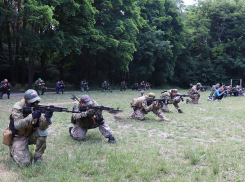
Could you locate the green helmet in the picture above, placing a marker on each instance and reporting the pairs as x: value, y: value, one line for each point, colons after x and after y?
x: 31, y: 96
x: 217, y: 84
x: 198, y: 84
x: 151, y: 95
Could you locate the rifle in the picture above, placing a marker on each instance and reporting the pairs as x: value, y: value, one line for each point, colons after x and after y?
x: 203, y: 88
x: 43, y: 108
x: 161, y: 101
x: 96, y: 108
x: 181, y: 96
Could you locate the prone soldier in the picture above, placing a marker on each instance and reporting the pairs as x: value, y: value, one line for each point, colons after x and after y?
x: 40, y: 86
x: 88, y: 120
x: 4, y: 88
x: 174, y: 99
x: 145, y: 104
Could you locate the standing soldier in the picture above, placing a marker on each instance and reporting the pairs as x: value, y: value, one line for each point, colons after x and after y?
x: 194, y: 92
x: 105, y: 86
x: 123, y: 86
x: 148, y: 86
x: 84, y: 86
x: 28, y: 129
x: 142, y: 85
x: 39, y: 86
x: 143, y: 105
x: 174, y: 99
x: 57, y: 87
x: 62, y: 86
x: 4, y: 88
x: 88, y: 120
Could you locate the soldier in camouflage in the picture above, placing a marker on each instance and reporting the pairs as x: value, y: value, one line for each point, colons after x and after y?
x: 173, y: 95
x: 213, y: 89
x: 141, y: 107
x: 28, y: 129
x: 88, y: 120
x: 40, y: 86
x: 194, y: 92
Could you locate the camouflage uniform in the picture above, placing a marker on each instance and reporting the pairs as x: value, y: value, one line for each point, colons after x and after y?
x: 195, y: 96
x: 82, y: 123
x: 123, y: 86
x: 27, y: 133
x: 4, y: 88
x: 84, y: 86
x: 105, y: 86
x: 39, y: 87
x: 141, y: 109
x: 175, y: 100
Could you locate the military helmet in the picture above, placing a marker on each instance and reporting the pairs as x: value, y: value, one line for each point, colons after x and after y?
x: 151, y: 95
x: 31, y: 95
x: 217, y: 84
x: 175, y: 91
x: 198, y: 84
x: 191, y: 84
x: 85, y: 99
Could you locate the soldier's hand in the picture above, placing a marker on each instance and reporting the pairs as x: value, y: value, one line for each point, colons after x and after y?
x: 90, y: 112
x: 36, y: 114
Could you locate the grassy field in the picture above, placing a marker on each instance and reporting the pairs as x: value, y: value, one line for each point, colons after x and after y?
x: 204, y: 144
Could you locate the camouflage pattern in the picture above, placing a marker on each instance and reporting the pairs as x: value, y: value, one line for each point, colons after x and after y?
x: 19, y: 149
x: 142, y: 109
x: 82, y: 123
x: 84, y: 86
x: 195, y: 95
x: 105, y: 86
x: 175, y: 100
x: 39, y: 87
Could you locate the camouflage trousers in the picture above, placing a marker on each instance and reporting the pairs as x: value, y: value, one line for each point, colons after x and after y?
x: 106, y: 88
x: 20, y: 150
x: 79, y: 133
x: 165, y: 107
x: 85, y: 88
x: 40, y: 91
x: 194, y: 99
x: 211, y: 93
x: 140, y: 115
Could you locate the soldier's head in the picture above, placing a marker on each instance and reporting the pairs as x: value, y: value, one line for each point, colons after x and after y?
x: 39, y: 79
x: 5, y: 80
x: 142, y: 92
x: 31, y: 97
x: 85, y: 100
x: 123, y: 81
x: 217, y: 85
x: 191, y: 85
x: 84, y: 80
x: 104, y: 81
x: 198, y: 85
x: 61, y: 81
x: 143, y: 81
x: 151, y: 96
x: 174, y: 92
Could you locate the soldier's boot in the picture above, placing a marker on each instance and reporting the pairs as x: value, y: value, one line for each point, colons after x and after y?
x: 111, y: 139
x: 180, y: 111
x: 163, y: 118
x: 70, y: 128
x: 37, y: 159
x: 187, y: 101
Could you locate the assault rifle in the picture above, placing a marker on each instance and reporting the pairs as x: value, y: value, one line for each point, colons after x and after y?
x: 96, y: 108
x: 203, y: 88
x: 161, y: 101
x: 43, y: 108
x: 181, y: 96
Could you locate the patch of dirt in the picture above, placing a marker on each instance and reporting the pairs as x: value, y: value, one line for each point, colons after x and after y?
x: 126, y: 126
x: 118, y: 118
x: 202, y: 109
x: 209, y: 117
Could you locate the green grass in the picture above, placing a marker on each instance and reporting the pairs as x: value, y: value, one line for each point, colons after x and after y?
x: 204, y: 144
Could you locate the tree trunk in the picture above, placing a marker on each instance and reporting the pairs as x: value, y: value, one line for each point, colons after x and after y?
x: 61, y: 68
x: 23, y: 55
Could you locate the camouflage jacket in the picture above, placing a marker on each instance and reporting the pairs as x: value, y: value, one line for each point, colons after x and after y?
x: 153, y: 107
x: 24, y: 123
x: 193, y: 90
x: 81, y: 118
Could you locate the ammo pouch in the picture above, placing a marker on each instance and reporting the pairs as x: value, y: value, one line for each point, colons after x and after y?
x: 7, y: 137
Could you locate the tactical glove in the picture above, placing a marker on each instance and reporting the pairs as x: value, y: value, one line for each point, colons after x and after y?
x: 90, y: 113
x: 48, y: 116
x: 36, y: 114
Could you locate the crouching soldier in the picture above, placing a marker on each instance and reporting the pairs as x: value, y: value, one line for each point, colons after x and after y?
x: 143, y: 105
x: 174, y: 99
x: 89, y: 119
x: 28, y: 129
x: 194, y: 92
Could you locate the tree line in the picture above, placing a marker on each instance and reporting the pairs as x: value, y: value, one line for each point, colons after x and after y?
x: 160, y: 41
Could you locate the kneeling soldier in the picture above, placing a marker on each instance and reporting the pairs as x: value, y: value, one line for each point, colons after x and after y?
x: 174, y: 99
x: 88, y: 120
x: 28, y: 129
x: 143, y: 105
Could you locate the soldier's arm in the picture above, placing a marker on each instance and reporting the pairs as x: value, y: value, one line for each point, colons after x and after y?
x: 19, y: 121
x: 80, y: 115
x: 147, y: 108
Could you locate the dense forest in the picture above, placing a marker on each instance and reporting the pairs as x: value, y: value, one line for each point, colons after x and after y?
x: 160, y: 41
